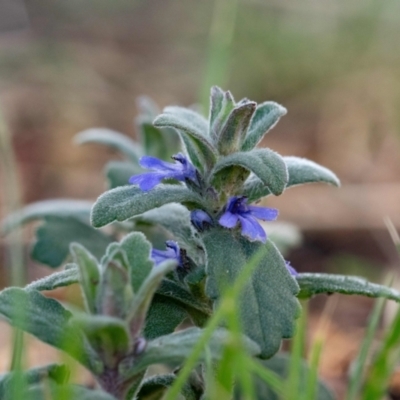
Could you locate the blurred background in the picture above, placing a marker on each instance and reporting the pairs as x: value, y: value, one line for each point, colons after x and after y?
x: 66, y: 66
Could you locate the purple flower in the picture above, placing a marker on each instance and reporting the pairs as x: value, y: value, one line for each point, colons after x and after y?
x: 173, y: 252
x: 291, y: 270
x: 237, y: 210
x: 181, y: 170
x: 200, y: 220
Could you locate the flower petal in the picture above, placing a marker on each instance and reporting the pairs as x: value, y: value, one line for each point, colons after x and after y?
x: 292, y: 271
x: 228, y: 220
x: 147, y: 180
x: 150, y: 162
x: 252, y: 229
x: 264, y: 213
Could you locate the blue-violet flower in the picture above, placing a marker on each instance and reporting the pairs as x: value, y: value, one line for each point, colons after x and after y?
x: 237, y: 210
x: 173, y: 252
x: 181, y: 170
x: 200, y: 220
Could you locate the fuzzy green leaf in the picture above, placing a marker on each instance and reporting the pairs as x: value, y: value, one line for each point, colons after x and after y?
x: 119, y: 172
x: 216, y: 103
x: 144, y: 296
x: 107, y: 335
x: 225, y: 108
x: 56, y: 372
x: 175, y: 291
x: 175, y: 218
x: 268, y: 303
x: 265, y: 118
x: 233, y: 132
x: 137, y: 249
x: 56, y: 234
x: 47, y: 208
x: 164, y: 315
x: 174, y: 348
x: 48, y: 391
x: 267, y: 165
x: 312, y: 284
x: 192, y: 128
x: 160, y: 143
x: 113, y: 139
x: 69, y: 276
x: 126, y: 202
x: 46, y: 319
x: 302, y: 171
x: 280, y: 364
x: 156, y: 386
x: 89, y: 275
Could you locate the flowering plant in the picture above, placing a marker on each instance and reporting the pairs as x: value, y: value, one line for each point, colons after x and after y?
x: 137, y: 292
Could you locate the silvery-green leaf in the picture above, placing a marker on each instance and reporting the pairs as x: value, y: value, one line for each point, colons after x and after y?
x: 218, y: 121
x: 57, y: 372
x: 216, y: 102
x: 265, y: 118
x: 48, y: 391
x: 175, y: 218
x: 115, y: 294
x: 280, y: 364
x: 107, y: 335
x: 312, y: 284
x: 193, y: 129
x: 46, y: 319
x: 47, y: 208
x: 55, y: 235
x: 68, y: 276
x: 156, y: 386
x: 234, y: 130
x: 163, y: 316
x: 268, y: 303
x: 175, y: 291
x: 89, y: 275
x: 113, y: 139
x: 119, y: 172
x: 147, y: 107
x: 302, y: 171
x: 144, y: 296
x: 137, y: 249
x: 125, y: 202
x: 267, y: 165
x: 173, y: 349
x: 160, y: 143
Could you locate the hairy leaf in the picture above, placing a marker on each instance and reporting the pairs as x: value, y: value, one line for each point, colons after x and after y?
x: 235, y: 128
x: 265, y: 118
x: 107, y: 335
x: 126, y: 202
x: 280, y: 364
x: 137, y: 249
x: 46, y: 319
x: 144, y: 296
x: 312, y: 284
x: 268, y: 303
x: 267, y: 165
x: 164, y: 315
x: 57, y: 372
x: 173, y: 349
x: 113, y: 139
x: 302, y: 171
x: 68, y: 276
x: 216, y: 103
x: 119, y: 172
x: 47, y: 208
x: 218, y: 120
x: 192, y: 128
x: 55, y: 392
x: 56, y: 234
x: 89, y: 275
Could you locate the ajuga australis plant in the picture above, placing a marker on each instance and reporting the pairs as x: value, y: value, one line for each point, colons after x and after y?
x: 182, y: 226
